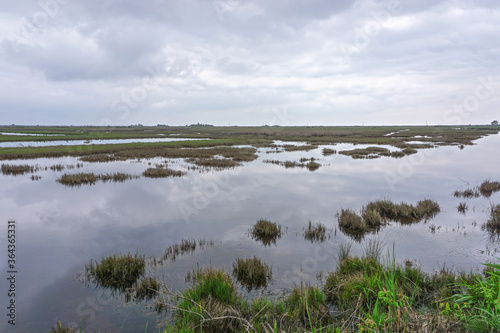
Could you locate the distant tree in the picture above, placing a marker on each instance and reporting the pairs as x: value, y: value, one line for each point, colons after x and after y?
x: 494, y: 123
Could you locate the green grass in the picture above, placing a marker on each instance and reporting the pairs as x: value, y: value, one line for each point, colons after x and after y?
x: 266, y: 231
x: 315, y: 233
x: 478, y: 302
x: 118, y: 272
x: 229, y: 136
x: 252, y: 272
x: 11, y: 169
x: 82, y: 178
x: 162, y: 173
x: 493, y: 223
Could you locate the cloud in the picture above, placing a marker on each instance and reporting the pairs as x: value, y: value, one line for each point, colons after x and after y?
x: 238, y: 61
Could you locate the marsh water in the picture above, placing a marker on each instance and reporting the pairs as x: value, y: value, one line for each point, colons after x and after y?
x: 86, y: 142
x: 59, y: 229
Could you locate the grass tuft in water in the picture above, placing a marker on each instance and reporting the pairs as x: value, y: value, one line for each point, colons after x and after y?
x: 118, y: 272
x: 493, y: 223
x: 252, y: 272
x: 11, y: 169
x: 315, y: 233
x: 487, y: 188
x: 162, y: 173
x: 266, y: 231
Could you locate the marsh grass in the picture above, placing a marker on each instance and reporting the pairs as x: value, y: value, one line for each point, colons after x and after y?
x: 186, y: 246
x: 369, y: 152
x: 15, y: 170
x: 146, y: 289
x: 349, y: 220
x: 328, y: 151
x: 375, y: 297
x: 266, y: 232
x: 216, y: 163
x: 477, y: 303
x: 493, y: 223
x: 377, y: 213
x: 299, y: 148
x: 162, y: 173
x: 78, y: 179
x: 462, y: 208
x: 313, y: 166
x: 91, y: 178
x: 252, y: 272
x: 315, y: 233
x: 210, y: 305
x: 307, y: 304
x: 467, y: 193
x: 487, y: 188
x: 409, y: 151
x: 118, y: 272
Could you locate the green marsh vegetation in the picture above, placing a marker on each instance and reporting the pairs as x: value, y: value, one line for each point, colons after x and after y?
x: 493, y: 223
x: 315, y: 233
x: 311, y: 165
x: 229, y: 136
x: 266, y: 232
x: 162, y: 172
x: 186, y: 246
x: 328, y: 151
x: 378, y: 213
x: 252, y: 272
x: 11, y: 169
x: 82, y: 178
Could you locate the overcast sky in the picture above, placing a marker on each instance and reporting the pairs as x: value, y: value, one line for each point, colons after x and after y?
x: 249, y: 62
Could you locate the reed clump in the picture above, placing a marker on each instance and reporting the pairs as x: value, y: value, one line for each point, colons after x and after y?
x: 487, y: 188
x: 266, y: 231
x: 91, y: 178
x: 78, y: 179
x: 493, y: 223
x: 307, y: 305
x: 12, y: 169
x: 252, y: 272
x: 216, y: 163
x: 315, y: 233
x: 462, y: 207
x: 117, y: 272
x: 162, y: 173
x: 328, y: 151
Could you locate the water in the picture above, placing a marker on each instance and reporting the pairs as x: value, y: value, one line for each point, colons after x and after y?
x: 59, y: 229
x: 88, y: 142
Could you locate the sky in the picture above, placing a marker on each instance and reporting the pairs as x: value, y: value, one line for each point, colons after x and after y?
x: 249, y: 62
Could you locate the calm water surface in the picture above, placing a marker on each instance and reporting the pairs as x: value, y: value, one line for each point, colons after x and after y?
x: 59, y: 229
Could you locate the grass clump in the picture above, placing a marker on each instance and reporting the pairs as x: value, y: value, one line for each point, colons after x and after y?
x: 307, y: 304
x: 462, y: 208
x: 478, y: 304
x: 315, y: 233
x: 210, y: 305
x: 11, y: 169
x: 487, y: 188
x: 118, y: 272
x: 216, y: 163
x: 409, y: 151
x: 313, y: 166
x: 467, y: 193
x: 78, y: 179
x: 91, y: 178
x: 349, y: 220
x: 146, y: 289
x: 493, y: 223
x: 162, y: 173
x: 328, y: 151
x: 372, y: 297
x: 266, y: 231
x: 252, y: 272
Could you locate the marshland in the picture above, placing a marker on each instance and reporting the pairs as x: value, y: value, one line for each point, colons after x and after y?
x: 157, y: 229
